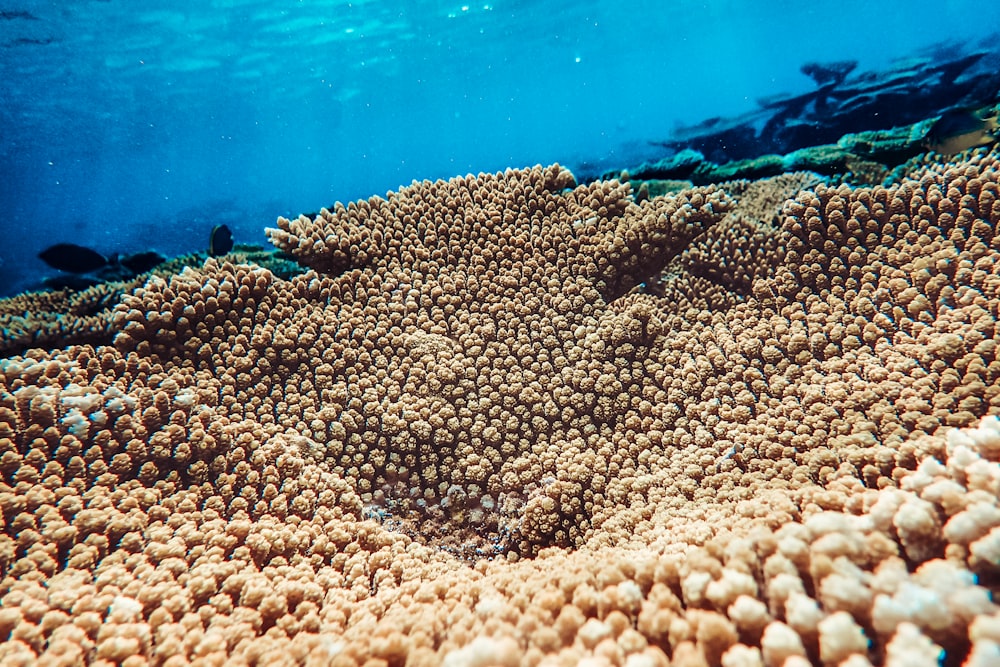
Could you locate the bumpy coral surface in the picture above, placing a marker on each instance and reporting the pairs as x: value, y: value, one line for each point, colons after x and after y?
x: 58, y: 318
x: 509, y: 420
x: 68, y: 316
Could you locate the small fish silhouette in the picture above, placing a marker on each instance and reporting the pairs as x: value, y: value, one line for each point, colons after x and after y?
x: 73, y: 258
x: 220, y: 241
x: 961, y: 129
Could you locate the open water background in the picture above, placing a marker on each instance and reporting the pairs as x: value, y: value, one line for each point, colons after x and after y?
x: 127, y: 126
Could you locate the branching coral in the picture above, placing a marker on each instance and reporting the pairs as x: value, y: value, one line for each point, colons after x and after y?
x: 471, y: 435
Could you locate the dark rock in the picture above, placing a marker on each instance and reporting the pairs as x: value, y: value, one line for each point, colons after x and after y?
x: 825, y: 74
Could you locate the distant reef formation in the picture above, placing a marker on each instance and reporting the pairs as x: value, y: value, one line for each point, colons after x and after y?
x: 77, y: 313
x: 510, y: 419
x: 858, y: 125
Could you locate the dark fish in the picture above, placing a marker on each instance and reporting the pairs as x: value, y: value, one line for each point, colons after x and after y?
x: 142, y: 261
x: 220, y: 241
x: 73, y: 258
x: 30, y: 41
x: 960, y: 129
x: 17, y: 14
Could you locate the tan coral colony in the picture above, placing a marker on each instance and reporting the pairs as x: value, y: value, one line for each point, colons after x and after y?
x: 511, y: 420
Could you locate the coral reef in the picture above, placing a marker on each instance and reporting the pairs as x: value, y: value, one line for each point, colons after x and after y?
x: 78, y: 316
x: 863, y: 158
x: 845, y: 101
x: 509, y: 419
x: 62, y: 317
x: 854, y: 127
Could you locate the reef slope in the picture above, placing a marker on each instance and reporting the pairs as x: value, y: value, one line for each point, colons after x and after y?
x: 508, y: 419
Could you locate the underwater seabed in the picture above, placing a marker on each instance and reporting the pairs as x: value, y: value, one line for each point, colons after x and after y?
x: 514, y: 419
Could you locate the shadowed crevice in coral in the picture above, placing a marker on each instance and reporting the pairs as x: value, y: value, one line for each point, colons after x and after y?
x: 594, y: 242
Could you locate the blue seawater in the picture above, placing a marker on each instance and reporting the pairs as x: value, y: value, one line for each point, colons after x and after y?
x: 128, y: 126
